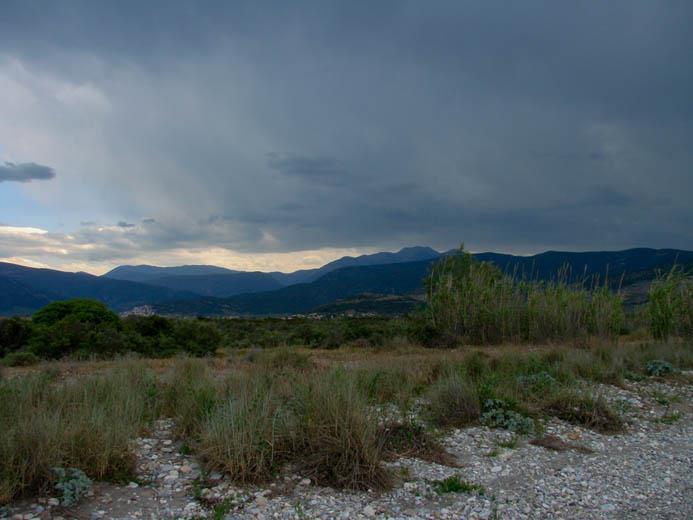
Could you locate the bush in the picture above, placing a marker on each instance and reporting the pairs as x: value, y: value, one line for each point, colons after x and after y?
x: 14, y: 334
x: 497, y: 414
x: 72, y: 484
x: 20, y: 359
x: 453, y: 401
x: 196, y: 337
x: 82, y: 311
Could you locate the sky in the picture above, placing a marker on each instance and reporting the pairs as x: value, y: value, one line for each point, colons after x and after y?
x: 281, y: 135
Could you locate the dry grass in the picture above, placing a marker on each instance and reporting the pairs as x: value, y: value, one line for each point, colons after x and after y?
x: 87, y: 424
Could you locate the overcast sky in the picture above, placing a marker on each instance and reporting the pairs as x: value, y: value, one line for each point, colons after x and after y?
x: 280, y: 135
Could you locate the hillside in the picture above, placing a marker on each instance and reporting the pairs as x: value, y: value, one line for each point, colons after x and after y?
x: 219, y: 285
x: 23, y: 290
x: 407, y: 254
x: 626, y: 267
x: 401, y: 278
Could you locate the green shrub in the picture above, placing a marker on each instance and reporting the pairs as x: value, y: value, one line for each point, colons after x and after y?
x: 498, y: 414
x: 82, y: 311
x: 20, y: 359
x: 658, y: 368
x: 72, y: 483
x: 196, y: 337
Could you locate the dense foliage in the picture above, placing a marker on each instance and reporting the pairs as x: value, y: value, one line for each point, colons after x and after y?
x: 86, y: 328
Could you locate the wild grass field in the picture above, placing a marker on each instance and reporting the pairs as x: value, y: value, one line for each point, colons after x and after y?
x: 333, y: 415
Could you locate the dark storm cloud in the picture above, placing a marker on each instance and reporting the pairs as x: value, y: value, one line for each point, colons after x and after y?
x: 25, y: 172
x: 314, y: 169
x: 288, y: 126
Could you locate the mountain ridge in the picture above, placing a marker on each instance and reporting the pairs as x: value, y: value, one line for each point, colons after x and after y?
x: 24, y: 289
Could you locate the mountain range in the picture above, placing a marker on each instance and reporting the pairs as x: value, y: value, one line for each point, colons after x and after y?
x: 381, y: 280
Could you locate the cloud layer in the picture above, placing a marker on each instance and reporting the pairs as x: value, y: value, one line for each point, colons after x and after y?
x: 276, y: 128
x: 25, y: 172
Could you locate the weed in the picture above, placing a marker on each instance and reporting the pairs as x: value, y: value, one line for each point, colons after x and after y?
x: 72, y: 484
x: 242, y: 434
x: 658, y: 368
x: 454, y: 484
x: 669, y: 418
x: 220, y: 510
x: 510, y: 444
x: 497, y: 414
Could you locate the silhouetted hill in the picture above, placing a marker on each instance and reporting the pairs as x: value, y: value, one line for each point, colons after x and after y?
x: 407, y: 254
x: 25, y: 289
x: 400, y: 278
x: 632, y: 265
x: 147, y: 273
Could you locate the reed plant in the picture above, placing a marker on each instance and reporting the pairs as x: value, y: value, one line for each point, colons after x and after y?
x: 479, y: 303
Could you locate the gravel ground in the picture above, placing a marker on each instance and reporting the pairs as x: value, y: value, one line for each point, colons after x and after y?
x: 644, y: 473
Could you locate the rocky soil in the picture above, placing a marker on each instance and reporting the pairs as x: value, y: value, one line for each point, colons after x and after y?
x: 646, y: 473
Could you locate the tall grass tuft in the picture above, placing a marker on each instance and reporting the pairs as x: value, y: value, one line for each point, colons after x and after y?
x: 453, y: 400
x: 86, y: 424
x: 190, y: 394
x: 245, y: 434
x: 335, y: 435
